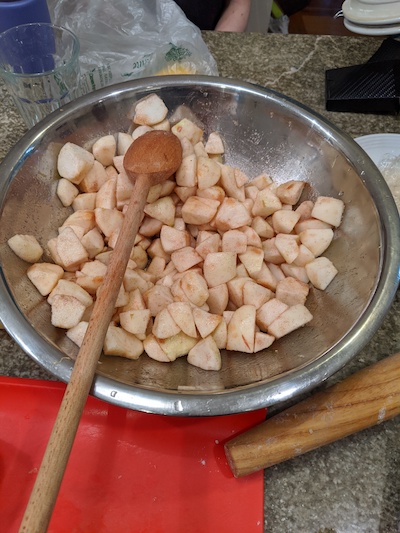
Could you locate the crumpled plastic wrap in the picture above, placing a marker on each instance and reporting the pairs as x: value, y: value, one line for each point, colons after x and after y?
x: 128, y: 39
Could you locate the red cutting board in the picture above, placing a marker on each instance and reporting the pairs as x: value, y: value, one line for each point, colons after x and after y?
x: 128, y: 472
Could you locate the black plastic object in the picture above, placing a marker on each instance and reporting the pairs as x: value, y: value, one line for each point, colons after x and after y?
x: 373, y: 87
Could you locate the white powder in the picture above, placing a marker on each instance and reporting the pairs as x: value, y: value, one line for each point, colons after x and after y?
x: 390, y: 168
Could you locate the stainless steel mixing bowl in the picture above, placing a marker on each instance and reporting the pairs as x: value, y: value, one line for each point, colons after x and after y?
x: 264, y: 131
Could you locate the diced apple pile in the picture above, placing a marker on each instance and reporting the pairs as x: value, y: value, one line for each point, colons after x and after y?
x: 220, y: 260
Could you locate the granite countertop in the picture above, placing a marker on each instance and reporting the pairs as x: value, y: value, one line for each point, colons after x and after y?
x: 352, y: 485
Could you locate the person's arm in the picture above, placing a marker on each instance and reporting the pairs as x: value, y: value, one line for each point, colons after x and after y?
x: 235, y: 16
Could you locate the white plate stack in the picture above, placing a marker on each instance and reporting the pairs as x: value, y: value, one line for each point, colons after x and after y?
x: 372, y: 17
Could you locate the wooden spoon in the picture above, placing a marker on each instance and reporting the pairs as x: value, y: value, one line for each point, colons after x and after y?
x: 151, y: 159
x: 366, y: 398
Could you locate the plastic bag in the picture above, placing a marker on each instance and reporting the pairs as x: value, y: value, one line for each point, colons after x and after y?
x: 127, y: 39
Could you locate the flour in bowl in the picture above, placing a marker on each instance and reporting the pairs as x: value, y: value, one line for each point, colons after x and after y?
x: 390, y: 168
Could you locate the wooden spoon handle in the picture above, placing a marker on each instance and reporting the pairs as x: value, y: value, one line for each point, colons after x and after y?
x: 44, y: 494
x: 367, y: 398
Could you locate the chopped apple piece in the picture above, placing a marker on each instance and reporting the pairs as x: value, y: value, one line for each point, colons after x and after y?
x: 164, y: 125
x: 186, y: 175
x: 154, y: 350
x: 157, y: 266
x: 214, y: 144
x: 255, y: 294
x: 316, y: 240
x: 210, y: 245
x: 177, y: 346
x: 328, y: 210
x: 124, y: 189
x: 265, y: 277
x: 234, y: 241
x: 94, y: 178
x: 164, y: 325
x: 198, y: 210
x: 208, y: 173
x: 150, y: 110
x: 85, y: 201
x: 66, y: 311
x: 195, y: 288
x: 232, y: 214
x: 271, y: 252
x: 70, y: 288
x: 91, y: 275
x: 240, y: 177
x: 133, y: 280
x: 26, y: 247
x: 266, y: 203
x: 205, y: 322
x: 121, y: 343
x: 187, y: 128
x: 182, y: 314
x: 162, y: 209
x: 219, y: 267
x: 70, y: 249
x: 321, y: 272
x: 228, y: 183
x: 252, y: 259
x: 104, y: 149
x: 310, y: 223
x: 290, y: 191
x: 205, y: 354
x: 292, y: 291
x: 106, y: 196
x: 135, y: 321
x: 45, y: 276
x: 108, y: 220
x: 305, y: 209
x: 124, y: 140
x: 269, y: 312
x: 220, y: 334
x: 241, y: 329
x: 293, y: 318
x: 262, y: 341
x: 305, y: 256
x: 283, y: 221
x: 156, y: 298
x: 185, y: 258
x: 74, y: 162
x: 66, y: 191
x: 294, y: 271
x: 77, y: 333
x: 214, y: 193
x: 140, y: 130
x: 218, y: 298
x: 262, y: 181
x: 287, y: 246
x: 262, y: 228
x: 173, y: 239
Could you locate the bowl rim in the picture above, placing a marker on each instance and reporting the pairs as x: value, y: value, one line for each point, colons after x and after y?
x: 249, y: 397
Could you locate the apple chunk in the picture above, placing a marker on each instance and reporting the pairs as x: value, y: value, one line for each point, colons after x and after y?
x: 241, y: 329
x: 26, y: 247
x: 321, y: 272
x: 205, y: 354
x: 219, y: 267
x: 45, y: 276
x: 120, y: 342
x: 293, y: 318
x: 328, y: 210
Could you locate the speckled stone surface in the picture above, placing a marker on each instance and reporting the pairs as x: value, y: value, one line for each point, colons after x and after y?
x: 353, y: 485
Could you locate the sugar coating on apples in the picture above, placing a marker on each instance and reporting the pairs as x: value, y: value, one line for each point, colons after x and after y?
x: 222, y: 260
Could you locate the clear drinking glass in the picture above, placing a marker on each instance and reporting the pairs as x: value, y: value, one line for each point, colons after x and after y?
x: 39, y: 64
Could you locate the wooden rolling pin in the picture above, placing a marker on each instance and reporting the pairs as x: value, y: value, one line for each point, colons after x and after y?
x: 366, y: 398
